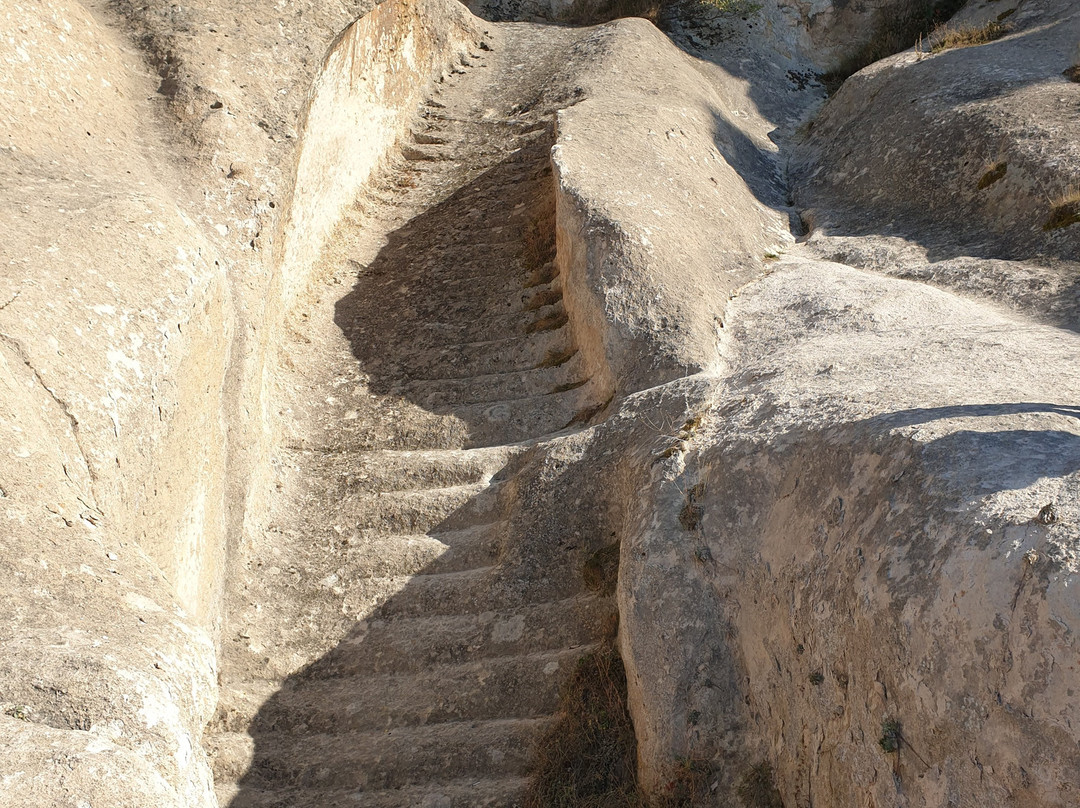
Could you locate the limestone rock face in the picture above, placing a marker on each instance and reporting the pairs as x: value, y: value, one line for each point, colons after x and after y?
x: 141, y: 292
x: 848, y: 542
x: 872, y: 454
x: 963, y: 151
x: 380, y: 323
x: 114, y: 328
x: 685, y: 146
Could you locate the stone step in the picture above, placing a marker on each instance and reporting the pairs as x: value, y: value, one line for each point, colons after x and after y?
x: 492, y: 326
x: 519, y: 686
x: 412, y: 644
x: 388, y: 470
x: 485, y: 293
x: 422, y: 554
x: 468, y: 792
x: 469, y: 426
x: 369, y: 761
x: 418, y: 511
x: 486, y: 357
x: 476, y: 591
x: 490, y: 388
x: 314, y: 615
x: 431, y: 147
x: 523, y: 419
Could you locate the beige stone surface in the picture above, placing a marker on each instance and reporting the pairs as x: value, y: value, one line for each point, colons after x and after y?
x: 334, y: 348
x: 907, y: 147
x: 686, y: 148
x: 867, y: 548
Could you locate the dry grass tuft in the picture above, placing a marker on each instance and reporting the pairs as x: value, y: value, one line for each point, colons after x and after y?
x: 896, y: 31
x: 994, y: 174
x: 967, y: 36
x: 1064, y: 212
x: 757, y: 789
x: 588, y: 759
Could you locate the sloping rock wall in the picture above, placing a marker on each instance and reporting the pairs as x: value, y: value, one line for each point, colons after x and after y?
x: 135, y: 318
x: 964, y: 151
x: 633, y: 162
x: 848, y: 579
x: 373, y: 77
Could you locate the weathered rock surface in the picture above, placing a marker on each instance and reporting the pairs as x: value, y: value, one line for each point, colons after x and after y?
x: 860, y: 542
x: 874, y: 454
x: 334, y: 350
x: 961, y: 152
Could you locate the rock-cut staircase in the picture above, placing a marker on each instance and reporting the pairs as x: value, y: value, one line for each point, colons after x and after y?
x: 385, y: 644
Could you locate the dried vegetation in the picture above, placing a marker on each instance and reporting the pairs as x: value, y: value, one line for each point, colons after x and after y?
x: 588, y: 758
x: 895, y: 32
x: 966, y: 36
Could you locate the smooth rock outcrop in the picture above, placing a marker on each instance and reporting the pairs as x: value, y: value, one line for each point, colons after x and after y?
x: 298, y: 317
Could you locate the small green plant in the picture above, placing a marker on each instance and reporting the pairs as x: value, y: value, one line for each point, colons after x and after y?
x: 946, y: 37
x: 19, y: 711
x: 817, y: 678
x: 1064, y: 212
x: 891, y: 735
x: 757, y: 789
x: 994, y: 174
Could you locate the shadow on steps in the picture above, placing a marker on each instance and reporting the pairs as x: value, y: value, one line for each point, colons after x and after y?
x: 408, y: 620
x: 435, y: 686
x: 459, y: 321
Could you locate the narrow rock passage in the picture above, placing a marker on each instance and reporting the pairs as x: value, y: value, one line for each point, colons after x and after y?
x: 388, y: 644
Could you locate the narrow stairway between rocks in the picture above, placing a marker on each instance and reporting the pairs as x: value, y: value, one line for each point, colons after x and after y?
x: 389, y: 643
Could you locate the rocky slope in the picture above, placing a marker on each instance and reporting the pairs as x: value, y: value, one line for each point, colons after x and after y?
x: 411, y: 323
